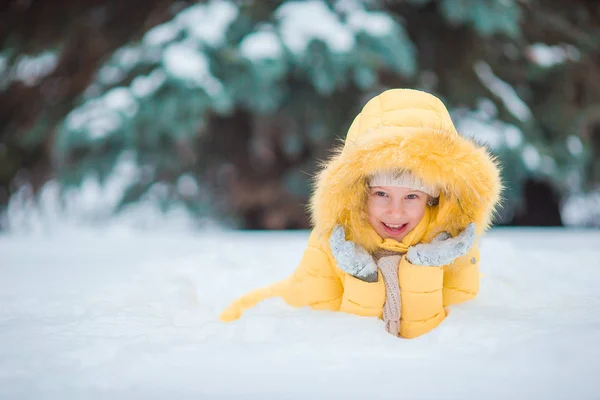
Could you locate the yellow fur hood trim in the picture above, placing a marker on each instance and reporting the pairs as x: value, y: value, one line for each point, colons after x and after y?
x: 412, y: 130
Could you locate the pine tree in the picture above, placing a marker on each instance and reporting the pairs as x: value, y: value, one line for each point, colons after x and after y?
x: 240, y: 100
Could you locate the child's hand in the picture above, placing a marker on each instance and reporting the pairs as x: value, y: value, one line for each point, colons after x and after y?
x: 352, y: 258
x: 443, y: 249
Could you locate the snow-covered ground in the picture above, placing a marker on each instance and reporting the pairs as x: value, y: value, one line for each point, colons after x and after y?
x: 111, y: 314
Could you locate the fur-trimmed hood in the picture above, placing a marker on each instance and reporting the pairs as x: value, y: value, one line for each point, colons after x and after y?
x: 412, y: 130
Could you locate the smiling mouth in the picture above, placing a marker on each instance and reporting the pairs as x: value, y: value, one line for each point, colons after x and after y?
x: 394, y: 229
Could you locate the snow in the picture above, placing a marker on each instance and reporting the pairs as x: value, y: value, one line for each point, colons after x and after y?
x: 513, y: 136
x: 531, y: 157
x: 480, y: 130
x: 261, y: 45
x: 301, y: 22
x: 574, y: 145
x: 187, y: 63
x: 111, y: 74
x: 375, y: 23
x: 31, y: 69
x: 121, y: 99
x: 483, y: 125
x: 76, y: 119
x: 133, y: 315
x: 582, y: 209
x: 99, y: 128
x: 103, y: 116
x: 208, y: 22
x: 503, y: 90
x: 348, y: 6
x: 187, y: 186
x: 548, y: 56
x: 161, y: 34
x: 128, y: 57
x: 91, y: 201
x: 487, y: 108
x: 485, y: 128
x: 145, y: 85
x: 95, y: 118
x: 93, y: 204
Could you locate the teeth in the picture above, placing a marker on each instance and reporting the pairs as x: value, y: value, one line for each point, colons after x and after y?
x: 394, y: 226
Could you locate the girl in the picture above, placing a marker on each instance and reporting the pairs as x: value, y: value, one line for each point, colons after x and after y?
x: 396, y: 213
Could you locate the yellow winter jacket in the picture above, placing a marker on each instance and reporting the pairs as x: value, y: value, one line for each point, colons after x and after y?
x: 405, y: 129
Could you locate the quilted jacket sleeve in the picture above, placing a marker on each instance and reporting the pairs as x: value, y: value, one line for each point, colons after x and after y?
x: 461, y: 278
x: 314, y: 283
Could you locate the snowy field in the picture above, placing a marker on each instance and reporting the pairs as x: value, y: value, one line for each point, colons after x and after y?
x: 112, y: 314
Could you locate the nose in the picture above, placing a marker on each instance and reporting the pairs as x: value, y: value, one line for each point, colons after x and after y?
x: 396, y: 209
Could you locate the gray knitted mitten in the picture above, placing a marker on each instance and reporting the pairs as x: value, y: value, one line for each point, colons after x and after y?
x: 442, y: 250
x: 351, y: 257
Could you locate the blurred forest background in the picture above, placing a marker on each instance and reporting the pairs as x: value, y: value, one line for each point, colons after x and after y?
x: 224, y: 108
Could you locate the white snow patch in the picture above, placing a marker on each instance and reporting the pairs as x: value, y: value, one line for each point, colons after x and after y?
x: 513, y: 136
x: 185, y: 62
x: 582, y: 209
x: 190, y: 65
x: 187, y: 186
x: 116, y: 314
x: 348, y: 6
x: 102, y: 126
x: 121, y: 99
x: 92, y: 205
x: 574, y: 145
x: 161, y: 34
x: 548, y: 56
x: 503, y: 90
x: 128, y: 57
x: 484, y: 128
x: 145, y: 85
x: 110, y: 74
x: 301, y: 22
x: 375, y: 23
x: 76, y: 119
x: 531, y: 157
x: 31, y: 69
x: 487, y: 107
x: 95, y: 118
x: 208, y: 22
x: 483, y: 132
x: 261, y: 45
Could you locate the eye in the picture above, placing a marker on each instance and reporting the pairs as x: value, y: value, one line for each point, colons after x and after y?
x: 379, y: 193
x: 412, y: 196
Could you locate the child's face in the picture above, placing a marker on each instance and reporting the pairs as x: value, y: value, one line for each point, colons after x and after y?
x: 394, y: 211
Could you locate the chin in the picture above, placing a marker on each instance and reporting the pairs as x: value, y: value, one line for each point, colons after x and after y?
x: 397, y: 238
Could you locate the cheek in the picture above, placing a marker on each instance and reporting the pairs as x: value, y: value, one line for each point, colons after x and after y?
x: 416, y: 212
x: 375, y: 207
